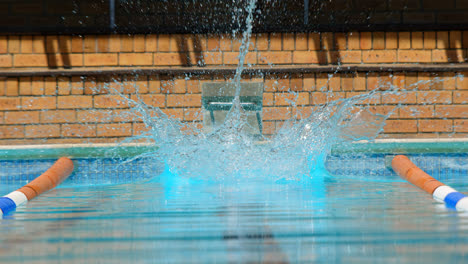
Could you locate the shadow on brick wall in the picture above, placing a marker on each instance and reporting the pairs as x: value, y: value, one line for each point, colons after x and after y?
x: 62, y: 51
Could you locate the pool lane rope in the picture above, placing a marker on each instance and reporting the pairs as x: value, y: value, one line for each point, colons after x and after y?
x: 407, y: 170
x: 56, y: 174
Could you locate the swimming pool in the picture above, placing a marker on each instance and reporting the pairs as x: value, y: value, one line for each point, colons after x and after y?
x: 356, y: 211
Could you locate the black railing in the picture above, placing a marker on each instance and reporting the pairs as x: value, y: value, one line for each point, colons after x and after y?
x: 225, y: 16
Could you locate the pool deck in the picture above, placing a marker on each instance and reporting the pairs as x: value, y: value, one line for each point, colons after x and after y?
x: 390, y: 146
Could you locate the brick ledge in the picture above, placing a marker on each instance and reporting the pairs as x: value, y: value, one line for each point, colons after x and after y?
x: 96, y: 71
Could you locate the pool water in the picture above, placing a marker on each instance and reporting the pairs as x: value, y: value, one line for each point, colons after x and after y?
x: 362, y: 217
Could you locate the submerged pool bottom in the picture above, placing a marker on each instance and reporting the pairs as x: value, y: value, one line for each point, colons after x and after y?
x: 350, y: 214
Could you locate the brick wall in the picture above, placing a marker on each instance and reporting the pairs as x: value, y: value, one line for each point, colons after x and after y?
x: 45, y: 97
x: 218, y: 50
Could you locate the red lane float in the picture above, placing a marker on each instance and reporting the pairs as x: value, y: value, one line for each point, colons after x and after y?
x: 56, y: 174
x: 407, y: 170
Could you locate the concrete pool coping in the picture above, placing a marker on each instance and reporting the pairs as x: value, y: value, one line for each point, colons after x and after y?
x: 125, y: 150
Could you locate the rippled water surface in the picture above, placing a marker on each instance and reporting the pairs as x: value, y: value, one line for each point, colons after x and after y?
x: 176, y: 219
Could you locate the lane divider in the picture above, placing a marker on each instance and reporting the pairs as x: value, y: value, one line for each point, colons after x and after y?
x: 407, y: 170
x: 56, y: 174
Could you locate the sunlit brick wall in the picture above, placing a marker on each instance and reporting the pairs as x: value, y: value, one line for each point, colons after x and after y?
x: 86, y: 108
x: 216, y: 50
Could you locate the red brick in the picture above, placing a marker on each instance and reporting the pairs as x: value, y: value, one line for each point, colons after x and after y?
x: 417, y: 111
x: 430, y: 40
x: 78, y: 130
x: 268, y: 99
x: 30, y: 60
x: 154, y: 85
x: 296, y: 83
x: 167, y: 59
x: 328, y: 42
x: 9, y: 103
x: 63, y: 86
x: 301, y: 41
x: 39, y: 103
x: 435, y: 125
x: 276, y: 41
x: 451, y: 111
x: 100, y: 59
x: 139, y: 43
x: 444, y: 56
x: 340, y: 41
x: 391, y: 40
x: 114, y: 43
x: 366, y: 40
x: 379, y: 56
x: 155, y: 100
x: 37, y: 86
x: 12, y: 87
x: 58, y: 116
x: 213, y: 42
x: 403, y: 97
x: 366, y: 100
x: 434, y: 97
x: 114, y: 130
x: 175, y: 113
x: 326, y: 97
x: 417, y: 40
x: 360, y: 82
x: 193, y: 86
x: 5, y: 61
x: 288, y: 41
x: 3, y: 44
x: 21, y: 117
x: 414, y: 56
x: 7, y: 132
x: 455, y: 39
x: 77, y: 44
x: 276, y: 84
x: 347, y: 82
x: 134, y: 59
x: 404, y: 40
x: 462, y: 81
x: 442, y: 40
x: 74, y: 101
x: 193, y: 114
x: 187, y: 100
x: 460, y: 125
x: 314, y: 41
x: 110, y: 101
x: 284, y: 99
x: 378, y: 40
x: 213, y: 58
x: 277, y: 113
x: 151, y: 43
x: 353, y: 41
x: 308, y: 82
x: 14, y: 44
x: 400, y: 126
x: 90, y: 44
x: 233, y: 58
x: 278, y: 57
x: 42, y: 131
x: 306, y: 57
x: 77, y: 85
x: 93, y: 116
x: 225, y: 43
x: 353, y: 56
x: 103, y: 43
x: 460, y: 97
